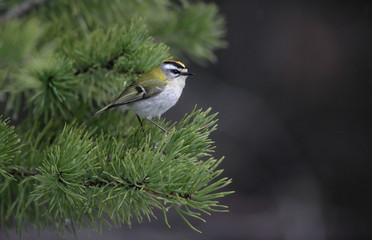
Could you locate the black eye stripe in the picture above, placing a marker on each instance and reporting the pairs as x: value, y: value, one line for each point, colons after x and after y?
x: 175, y: 71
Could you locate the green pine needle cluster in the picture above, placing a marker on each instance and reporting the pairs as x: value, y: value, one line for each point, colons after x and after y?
x: 60, y: 168
x: 9, y: 147
x: 83, y: 175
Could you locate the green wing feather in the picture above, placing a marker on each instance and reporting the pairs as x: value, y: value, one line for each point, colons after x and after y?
x: 135, y: 92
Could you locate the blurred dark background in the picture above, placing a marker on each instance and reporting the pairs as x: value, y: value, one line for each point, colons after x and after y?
x: 293, y: 93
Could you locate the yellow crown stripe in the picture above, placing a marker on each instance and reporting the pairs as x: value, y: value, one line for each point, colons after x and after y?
x: 174, y: 61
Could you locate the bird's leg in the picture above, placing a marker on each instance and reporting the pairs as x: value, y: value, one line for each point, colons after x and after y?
x: 143, y: 129
x: 164, y: 130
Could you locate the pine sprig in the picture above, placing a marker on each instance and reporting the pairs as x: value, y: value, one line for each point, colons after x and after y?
x: 9, y: 147
x: 120, y: 49
x: 58, y: 167
x: 86, y: 175
x: 200, y: 22
x: 87, y: 73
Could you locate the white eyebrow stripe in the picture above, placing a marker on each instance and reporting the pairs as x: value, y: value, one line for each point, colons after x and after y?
x: 171, y: 66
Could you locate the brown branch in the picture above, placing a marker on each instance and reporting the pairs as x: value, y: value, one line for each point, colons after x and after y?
x: 22, y: 9
x: 20, y: 172
x: 101, y: 183
x: 183, y: 122
x: 206, y: 125
x: 110, y: 65
x: 138, y: 186
x: 150, y: 191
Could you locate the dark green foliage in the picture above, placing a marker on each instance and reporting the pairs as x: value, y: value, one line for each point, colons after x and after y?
x: 9, y: 147
x: 59, y: 167
x: 85, y: 175
x: 196, y: 41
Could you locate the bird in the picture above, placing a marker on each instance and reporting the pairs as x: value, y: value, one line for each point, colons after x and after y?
x: 153, y: 93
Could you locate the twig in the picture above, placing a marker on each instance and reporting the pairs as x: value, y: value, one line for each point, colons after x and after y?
x: 110, y: 65
x: 138, y: 186
x: 22, y: 9
x: 206, y: 125
x: 20, y: 172
x: 183, y: 122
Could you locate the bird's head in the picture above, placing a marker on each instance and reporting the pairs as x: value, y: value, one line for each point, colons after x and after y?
x: 169, y: 70
x: 174, y: 70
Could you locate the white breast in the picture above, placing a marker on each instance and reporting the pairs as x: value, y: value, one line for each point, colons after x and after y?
x: 159, y: 104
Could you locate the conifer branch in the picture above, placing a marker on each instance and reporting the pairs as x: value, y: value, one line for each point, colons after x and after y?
x: 21, y: 172
x: 110, y: 65
x: 22, y: 9
x: 104, y: 171
x: 137, y: 186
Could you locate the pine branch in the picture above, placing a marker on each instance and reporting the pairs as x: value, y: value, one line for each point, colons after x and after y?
x: 138, y: 186
x: 110, y: 65
x: 85, y: 174
x: 60, y: 169
x: 22, y: 173
x: 22, y: 9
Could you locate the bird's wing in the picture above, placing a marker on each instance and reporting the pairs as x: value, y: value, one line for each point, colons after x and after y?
x: 134, y: 92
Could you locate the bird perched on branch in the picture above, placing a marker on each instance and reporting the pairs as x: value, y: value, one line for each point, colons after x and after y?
x: 153, y: 93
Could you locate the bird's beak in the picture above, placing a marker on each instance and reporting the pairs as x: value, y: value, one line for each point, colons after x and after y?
x: 187, y: 74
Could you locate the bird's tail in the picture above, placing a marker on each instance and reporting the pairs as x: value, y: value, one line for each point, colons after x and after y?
x: 102, y: 110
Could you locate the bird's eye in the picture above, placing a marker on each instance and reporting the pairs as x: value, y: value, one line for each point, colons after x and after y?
x: 175, y: 71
